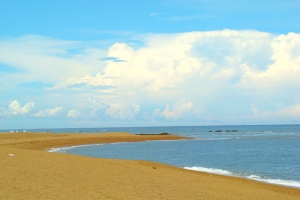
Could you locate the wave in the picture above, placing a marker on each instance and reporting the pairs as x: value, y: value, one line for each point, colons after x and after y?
x: 287, y: 183
x: 60, y: 149
x: 216, y: 139
x: 210, y: 170
x: 65, y: 149
x: 268, y: 131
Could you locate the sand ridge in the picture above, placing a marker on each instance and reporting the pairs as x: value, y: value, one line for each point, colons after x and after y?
x: 27, y: 171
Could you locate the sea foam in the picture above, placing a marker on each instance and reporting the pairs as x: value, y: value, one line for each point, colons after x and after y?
x: 210, y: 170
x: 66, y: 148
x: 288, y: 183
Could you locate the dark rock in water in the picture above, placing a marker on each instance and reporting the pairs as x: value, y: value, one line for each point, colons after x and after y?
x: 218, y: 131
x: 164, y: 133
x: 231, y: 130
x: 210, y: 131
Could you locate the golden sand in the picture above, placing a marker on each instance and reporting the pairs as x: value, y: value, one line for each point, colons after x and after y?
x: 27, y: 171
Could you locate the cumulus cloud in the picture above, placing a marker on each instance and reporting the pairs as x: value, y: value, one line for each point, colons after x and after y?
x: 98, y: 80
x: 177, y: 109
x: 73, y: 113
x: 15, y: 108
x: 217, y: 75
x: 121, y: 111
x: 167, y: 61
x: 49, y: 112
x: 284, y: 70
x: 288, y: 114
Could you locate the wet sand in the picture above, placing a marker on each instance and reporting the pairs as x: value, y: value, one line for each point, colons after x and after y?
x: 27, y: 171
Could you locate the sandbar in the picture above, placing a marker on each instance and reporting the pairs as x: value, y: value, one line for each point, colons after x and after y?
x: 28, y: 171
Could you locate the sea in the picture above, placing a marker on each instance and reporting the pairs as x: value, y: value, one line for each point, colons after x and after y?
x: 265, y: 153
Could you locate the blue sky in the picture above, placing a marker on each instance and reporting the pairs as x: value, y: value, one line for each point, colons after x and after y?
x: 98, y: 63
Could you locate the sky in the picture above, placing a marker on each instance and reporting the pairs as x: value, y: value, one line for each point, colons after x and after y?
x: 117, y: 63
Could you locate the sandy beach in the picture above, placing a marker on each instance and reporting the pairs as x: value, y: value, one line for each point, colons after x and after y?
x: 27, y: 171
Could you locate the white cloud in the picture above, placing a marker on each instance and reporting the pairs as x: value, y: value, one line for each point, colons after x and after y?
x: 217, y: 75
x: 49, y: 60
x: 49, y: 112
x: 122, y: 111
x: 289, y: 114
x: 98, y: 80
x: 177, y: 109
x: 121, y: 51
x: 73, y: 113
x: 283, y: 73
x: 15, y: 108
x: 167, y: 61
x: 292, y: 111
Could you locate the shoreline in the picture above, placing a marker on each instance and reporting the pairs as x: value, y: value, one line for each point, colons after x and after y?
x: 204, y: 170
x: 28, y: 171
x: 259, y: 180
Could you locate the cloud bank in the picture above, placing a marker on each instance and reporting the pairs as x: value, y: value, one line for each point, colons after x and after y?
x: 214, y: 77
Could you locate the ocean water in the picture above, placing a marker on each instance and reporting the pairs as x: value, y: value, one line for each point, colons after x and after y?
x: 267, y: 153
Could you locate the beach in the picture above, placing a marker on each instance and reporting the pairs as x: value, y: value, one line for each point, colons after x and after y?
x: 28, y: 171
